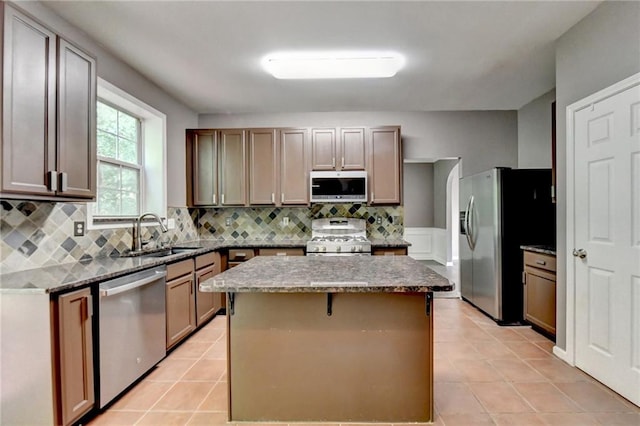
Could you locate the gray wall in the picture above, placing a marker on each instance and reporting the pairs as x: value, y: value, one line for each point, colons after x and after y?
x: 118, y: 73
x: 483, y: 139
x: 534, y: 132
x: 418, y: 195
x: 441, y: 170
x: 599, y: 51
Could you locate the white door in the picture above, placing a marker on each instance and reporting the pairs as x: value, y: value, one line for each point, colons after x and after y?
x: 607, y: 240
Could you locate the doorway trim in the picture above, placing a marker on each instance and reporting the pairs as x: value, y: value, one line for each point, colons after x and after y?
x: 569, y: 353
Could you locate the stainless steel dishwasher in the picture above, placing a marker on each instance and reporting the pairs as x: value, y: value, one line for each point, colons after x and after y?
x: 132, y: 323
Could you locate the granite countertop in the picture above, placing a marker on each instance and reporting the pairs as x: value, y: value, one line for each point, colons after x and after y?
x: 332, y: 274
x: 540, y: 249
x: 56, y: 278
x: 389, y: 243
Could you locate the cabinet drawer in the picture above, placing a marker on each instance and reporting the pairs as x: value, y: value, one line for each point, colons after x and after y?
x: 281, y: 252
x: 389, y: 251
x: 539, y: 260
x: 240, y: 255
x: 179, y: 269
x: 205, y: 260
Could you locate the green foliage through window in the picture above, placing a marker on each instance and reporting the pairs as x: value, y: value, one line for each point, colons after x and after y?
x: 119, y: 166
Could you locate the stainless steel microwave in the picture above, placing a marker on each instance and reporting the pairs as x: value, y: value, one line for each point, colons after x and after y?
x: 338, y: 187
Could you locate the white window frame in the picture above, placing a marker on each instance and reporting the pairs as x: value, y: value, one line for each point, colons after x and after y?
x: 153, y: 148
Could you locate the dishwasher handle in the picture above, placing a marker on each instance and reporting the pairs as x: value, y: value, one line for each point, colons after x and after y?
x: 130, y: 286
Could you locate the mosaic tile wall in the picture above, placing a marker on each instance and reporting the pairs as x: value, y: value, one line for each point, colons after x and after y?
x: 268, y: 223
x: 35, y: 234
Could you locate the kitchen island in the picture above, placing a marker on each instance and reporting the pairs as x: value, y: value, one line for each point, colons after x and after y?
x: 330, y: 339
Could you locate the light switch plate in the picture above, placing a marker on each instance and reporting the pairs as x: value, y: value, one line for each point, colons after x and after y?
x: 171, y: 223
x: 285, y: 220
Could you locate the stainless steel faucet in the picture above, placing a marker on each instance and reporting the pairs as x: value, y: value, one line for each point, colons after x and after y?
x: 137, y: 232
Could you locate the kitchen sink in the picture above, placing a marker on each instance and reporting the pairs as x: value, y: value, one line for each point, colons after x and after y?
x: 164, y: 252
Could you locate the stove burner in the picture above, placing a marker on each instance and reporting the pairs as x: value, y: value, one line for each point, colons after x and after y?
x: 343, y: 237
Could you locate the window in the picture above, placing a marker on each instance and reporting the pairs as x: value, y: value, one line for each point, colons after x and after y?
x: 119, y: 163
x: 132, y: 167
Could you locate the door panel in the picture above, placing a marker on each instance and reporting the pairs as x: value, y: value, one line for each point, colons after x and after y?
x: 352, y: 149
x: 29, y: 117
x: 233, y: 168
x: 385, y: 161
x: 606, y: 194
x: 76, y: 121
x: 465, y: 253
x: 205, y: 173
x: 484, y: 217
x: 294, y: 172
x: 323, y: 149
x: 263, y: 171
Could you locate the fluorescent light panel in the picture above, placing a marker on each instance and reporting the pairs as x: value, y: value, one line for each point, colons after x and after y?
x: 333, y: 64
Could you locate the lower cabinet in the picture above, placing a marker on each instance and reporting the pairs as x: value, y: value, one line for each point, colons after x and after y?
x: 181, y: 302
x: 281, y: 252
x: 540, y: 291
x: 207, y: 303
x: 73, y: 365
x: 389, y: 251
x: 187, y: 306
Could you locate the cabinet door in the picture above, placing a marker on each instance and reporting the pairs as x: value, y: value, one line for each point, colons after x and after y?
x: 263, y: 171
x: 29, y: 117
x: 204, y: 172
x: 75, y: 354
x: 233, y: 168
x: 181, y: 315
x: 323, y: 149
x: 385, y: 162
x: 540, y: 299
x: 76, y: 122
x: 352, y: 149
x: 294, y: 170
x: 205, y: 301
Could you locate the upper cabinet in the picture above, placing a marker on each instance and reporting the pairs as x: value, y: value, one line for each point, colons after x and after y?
x: 342, y: 150
x: 352, y: 149
x: 270, y: 167
x: 385, y: 165
x: 294, y: 167
x: 263, y: 166
x: 202, y: 167
x: 233, y: 168
x: 48, y: 116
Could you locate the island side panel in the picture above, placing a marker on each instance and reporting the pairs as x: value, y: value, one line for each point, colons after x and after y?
x: 370, y: 361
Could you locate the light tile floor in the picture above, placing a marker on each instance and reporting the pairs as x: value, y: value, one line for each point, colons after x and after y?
x: 484, y: 375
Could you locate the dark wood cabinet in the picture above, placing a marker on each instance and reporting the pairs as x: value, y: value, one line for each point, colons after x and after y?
x: 323, y: 149
x: 233, y: 168
x: 294, y: 169
x: 342, y: 150
x: 48, y: 115
x: 202, y: 167
x: 74, y: 355
x: 207, y: 303
x: 352, y: 149
x: 76, y: 121
x: 263, y: 167
x: 389, y: 251
x: 540, y: 291
x: 385, y: 165
x: 180, y: 301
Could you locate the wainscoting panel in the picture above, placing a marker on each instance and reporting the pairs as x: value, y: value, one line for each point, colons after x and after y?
x: 427, y: 243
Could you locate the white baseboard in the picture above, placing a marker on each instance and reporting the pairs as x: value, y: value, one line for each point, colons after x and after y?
x: 562, y: 354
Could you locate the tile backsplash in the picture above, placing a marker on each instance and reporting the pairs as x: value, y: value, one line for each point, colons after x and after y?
x: 35, y: 234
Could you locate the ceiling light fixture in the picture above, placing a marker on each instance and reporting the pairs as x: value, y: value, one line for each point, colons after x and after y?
x: 333, y: 64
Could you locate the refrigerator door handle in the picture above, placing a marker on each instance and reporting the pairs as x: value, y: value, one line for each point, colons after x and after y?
x: 466, y: 223
x: 470, y: 229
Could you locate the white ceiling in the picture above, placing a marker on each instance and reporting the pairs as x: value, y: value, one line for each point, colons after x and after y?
x: 460, y: 55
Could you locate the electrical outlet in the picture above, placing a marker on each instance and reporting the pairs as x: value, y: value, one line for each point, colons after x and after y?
x: 171, y: 223
x: 227, y: 221
x: 78, y: 229
x: 379, y: 220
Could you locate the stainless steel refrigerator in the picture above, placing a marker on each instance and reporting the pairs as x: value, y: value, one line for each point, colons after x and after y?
x: 500, y: 210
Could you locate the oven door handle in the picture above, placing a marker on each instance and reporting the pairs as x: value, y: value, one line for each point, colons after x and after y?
x: 106, y: 292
